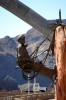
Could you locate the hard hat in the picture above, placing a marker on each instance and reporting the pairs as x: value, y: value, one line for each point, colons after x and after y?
x: 21, y: 39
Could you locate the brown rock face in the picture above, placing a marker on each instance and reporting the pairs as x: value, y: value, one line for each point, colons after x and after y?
x: 60, y: 54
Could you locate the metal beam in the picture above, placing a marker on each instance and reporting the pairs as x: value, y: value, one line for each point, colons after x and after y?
x: 27, y: 14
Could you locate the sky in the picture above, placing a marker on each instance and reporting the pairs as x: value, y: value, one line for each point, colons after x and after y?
x: 11, y: 25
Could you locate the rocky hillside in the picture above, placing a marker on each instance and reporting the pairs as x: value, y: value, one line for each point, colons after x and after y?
x: 8, y: 57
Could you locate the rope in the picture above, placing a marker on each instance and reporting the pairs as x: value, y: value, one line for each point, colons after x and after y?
x: 36, y: 50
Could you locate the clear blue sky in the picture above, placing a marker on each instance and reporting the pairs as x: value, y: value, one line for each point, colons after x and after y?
x: 12, y: 26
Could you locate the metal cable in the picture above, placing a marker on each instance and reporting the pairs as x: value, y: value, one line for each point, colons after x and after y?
x: 36, y: 50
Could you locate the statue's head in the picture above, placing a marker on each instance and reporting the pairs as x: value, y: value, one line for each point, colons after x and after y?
x: 21, y: 39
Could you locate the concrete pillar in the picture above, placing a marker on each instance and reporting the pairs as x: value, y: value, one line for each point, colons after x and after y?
x: 60, y: 55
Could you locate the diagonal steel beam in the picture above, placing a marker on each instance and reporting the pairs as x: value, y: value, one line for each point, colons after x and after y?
x: 27, y: 14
